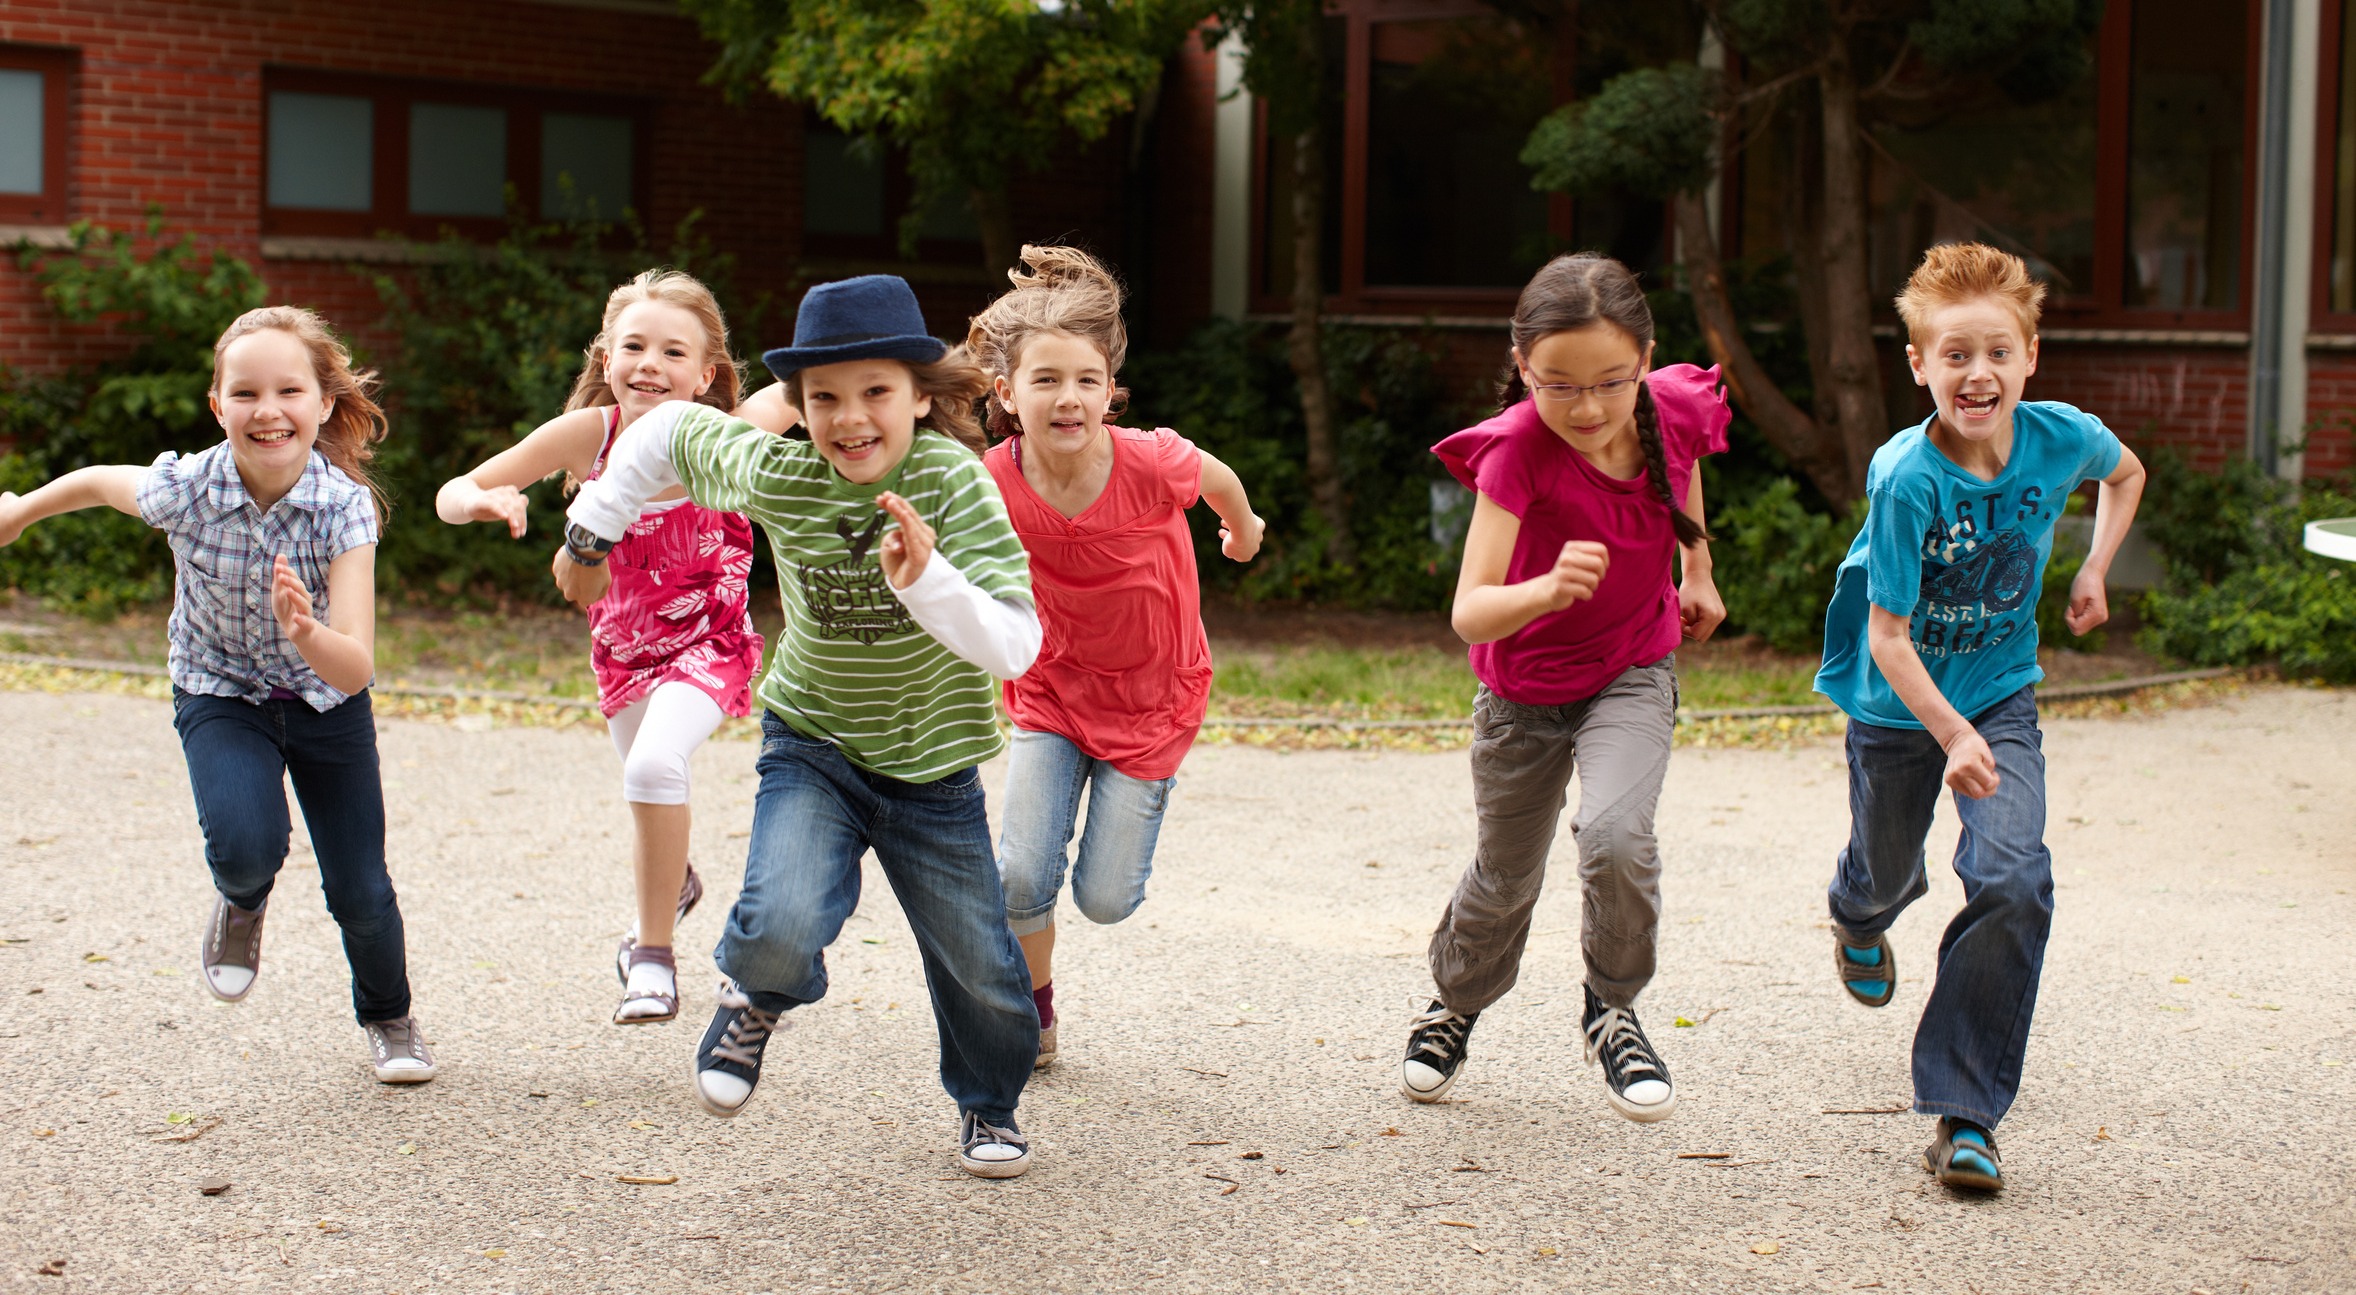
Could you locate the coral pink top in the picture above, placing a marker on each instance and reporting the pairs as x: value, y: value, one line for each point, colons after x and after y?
x: 1124, y: 669
x: 678, y: 608
x: 1518, y: 462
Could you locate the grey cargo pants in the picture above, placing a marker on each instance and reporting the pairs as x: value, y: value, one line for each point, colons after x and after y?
x: 1523, y: 758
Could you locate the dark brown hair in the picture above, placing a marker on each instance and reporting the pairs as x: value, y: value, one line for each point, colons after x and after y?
x: 1057, y: 290
x: 954, y: 382
x: 348, y: 438
x: 1580, y: 291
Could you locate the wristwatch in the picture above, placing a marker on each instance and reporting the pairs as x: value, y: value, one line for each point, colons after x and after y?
x: 586, y: 547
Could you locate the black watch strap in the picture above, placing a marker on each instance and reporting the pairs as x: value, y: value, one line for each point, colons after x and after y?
x: 586, y: 547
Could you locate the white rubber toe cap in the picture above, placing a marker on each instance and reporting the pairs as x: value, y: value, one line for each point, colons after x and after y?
x: 721, y: 1093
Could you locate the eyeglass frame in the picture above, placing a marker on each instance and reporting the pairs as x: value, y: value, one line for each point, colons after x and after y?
x: 1556, y: 391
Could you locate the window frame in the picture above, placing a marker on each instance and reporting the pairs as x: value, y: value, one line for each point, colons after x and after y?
x: 391, y: 98
x: 848, y: 252
x: 2321, y: 318
x: 59, y: 68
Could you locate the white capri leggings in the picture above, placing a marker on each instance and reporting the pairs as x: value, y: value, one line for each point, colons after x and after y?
x: 656, y: 734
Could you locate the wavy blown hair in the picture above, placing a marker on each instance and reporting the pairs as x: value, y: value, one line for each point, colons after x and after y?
x: 1580, y: 291
x: 672, y: 288
x: 1057, y: 290
x: 955, y: 384
x: 1953, y: 272
x: 356, y: 422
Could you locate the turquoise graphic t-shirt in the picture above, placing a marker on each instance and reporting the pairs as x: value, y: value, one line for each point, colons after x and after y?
x: 1963, y: 558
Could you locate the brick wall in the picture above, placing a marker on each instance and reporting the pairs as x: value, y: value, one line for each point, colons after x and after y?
x: 2331, y: 413
x: 167, y: 108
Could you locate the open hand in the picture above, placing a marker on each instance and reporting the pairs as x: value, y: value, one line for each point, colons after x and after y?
x: 906, y: 548
x: 502, y: 504
x: 10, y: 527
x: 1971, y: 766
x: 1699, y: 608
x: 580, y: 584
x: 1239, y: 546
x: 290, y: 602
x: 1575, y: 573
x: 2090, y: 603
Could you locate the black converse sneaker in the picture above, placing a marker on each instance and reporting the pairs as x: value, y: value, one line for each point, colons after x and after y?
x: 1637, y: 1078
x: 988, y: 1150
x: 1435, y: 1051
x: 728, y: 1061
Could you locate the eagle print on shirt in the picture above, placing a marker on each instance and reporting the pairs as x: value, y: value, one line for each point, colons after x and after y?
x: 849, y: 597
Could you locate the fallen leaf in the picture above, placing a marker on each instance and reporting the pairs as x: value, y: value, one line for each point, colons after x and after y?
x: 2183, y: 980
x: 646, y: 1180
x: 178, y: 1117
x: 1766, y: 1248
x: 166, y: 971
x: 1684, y: 1023
x: 213, y: 1186
x: 95, y: 957
x: 190, y: 1133
x: 588, y: 1101
x: 1549, y: 1251
x: 1453, y: 1223
x: 44, y: 1133
x: 328, y: 1226
x: 405, y: 1149
x: 1251, y: 1155
x: 54, y: 1268
x: 494, y: 1254
x: 870, y: 939
x: 2102, y: 1133
x: 1393, y: 1133
x: 1356, y: 1221
x: 642, y: 1124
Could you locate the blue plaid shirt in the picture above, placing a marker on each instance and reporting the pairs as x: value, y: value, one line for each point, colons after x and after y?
x: 225, y: 640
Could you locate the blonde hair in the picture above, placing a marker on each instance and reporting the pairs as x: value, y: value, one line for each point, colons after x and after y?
x: 955, y: 384
x: 356, y: 422
x: 671, y: 288
x: 1057, y: 290
x: 1953, y: 272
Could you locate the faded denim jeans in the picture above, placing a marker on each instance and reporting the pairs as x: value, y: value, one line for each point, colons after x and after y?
x: 1975, y: 1026
x: 1045, y: 773
x: 1523, y: 759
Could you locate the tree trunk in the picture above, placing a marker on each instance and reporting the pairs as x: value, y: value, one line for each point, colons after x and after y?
x: 1307, y: 351
x: 1850, y: 361
x: 1809, y: 444
x: 994, y: 215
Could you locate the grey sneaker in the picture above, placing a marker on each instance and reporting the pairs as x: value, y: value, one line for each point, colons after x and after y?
x: 1046, y: 1049
x: 398, y: 1052
x: 231, y: 958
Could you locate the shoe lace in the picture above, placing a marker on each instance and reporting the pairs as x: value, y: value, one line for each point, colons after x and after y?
x: 1438, y: 1030
x: 979, y: 1131
x: 1615, y: 1036
x: 745, y: 1035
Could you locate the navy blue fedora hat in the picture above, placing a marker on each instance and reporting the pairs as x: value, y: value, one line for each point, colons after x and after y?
x: 872, y: 317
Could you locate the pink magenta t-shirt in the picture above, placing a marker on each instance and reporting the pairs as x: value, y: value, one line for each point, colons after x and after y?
x: 1124, y: 669
x: 1520, y: 464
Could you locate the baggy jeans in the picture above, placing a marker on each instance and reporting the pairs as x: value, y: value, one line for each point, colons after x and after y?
x: 1523, y: 758
x: 815, y: 815
x: 1975, y: 1026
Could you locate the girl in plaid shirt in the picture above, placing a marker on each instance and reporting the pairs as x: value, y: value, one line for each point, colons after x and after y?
x: 273, y: 631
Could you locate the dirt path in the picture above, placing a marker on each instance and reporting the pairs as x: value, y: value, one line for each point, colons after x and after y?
x: 1224, y: 1117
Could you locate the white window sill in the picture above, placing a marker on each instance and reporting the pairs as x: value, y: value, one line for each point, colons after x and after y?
x: 52, y: 238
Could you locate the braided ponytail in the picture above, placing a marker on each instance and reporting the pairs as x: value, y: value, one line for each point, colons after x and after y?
x: 1577, y: 291
x: 1656, y: 466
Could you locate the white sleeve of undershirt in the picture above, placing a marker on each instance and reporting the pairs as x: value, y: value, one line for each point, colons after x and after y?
x: 1001, y: 635
x: 638, y: 469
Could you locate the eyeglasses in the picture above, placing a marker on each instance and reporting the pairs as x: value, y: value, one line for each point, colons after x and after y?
x: 1569, y: 391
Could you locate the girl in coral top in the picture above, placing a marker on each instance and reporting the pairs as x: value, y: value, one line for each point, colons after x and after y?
x: 1118, y: 691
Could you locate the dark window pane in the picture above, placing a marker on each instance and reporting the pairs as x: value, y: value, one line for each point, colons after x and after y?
x: 20, y: 144
x: 2185, y: 154
x: 1276, y: 234
x: 2016, y: 175
x: 842, y: 191
x: 457, y: 160
x: 1448, y: 201
x: 584, y: 166
x: 2343, y: 215
x: 322, y: 151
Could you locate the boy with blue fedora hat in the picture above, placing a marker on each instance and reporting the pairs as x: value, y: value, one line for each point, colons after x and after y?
x: 880, y: 696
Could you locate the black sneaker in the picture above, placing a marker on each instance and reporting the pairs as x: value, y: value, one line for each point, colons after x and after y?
x: 1435, y: 1051
x: 1637, y: 1079
x: 988, y: 1150
x: 728, y: 1061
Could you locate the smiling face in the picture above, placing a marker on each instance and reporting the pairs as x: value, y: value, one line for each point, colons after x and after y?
x: 656, y: 352
x: 1975, y: 356
x: 1059, y: 392
x: 267, y: 398
x: 862, y: 415
x: 1600, y: 426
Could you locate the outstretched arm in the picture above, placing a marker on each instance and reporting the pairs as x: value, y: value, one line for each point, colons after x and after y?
x: 2114, y: 511
x: 493, y: 491
x: 1240, y: 528
x: 769, y: 410
x: 114, y: 485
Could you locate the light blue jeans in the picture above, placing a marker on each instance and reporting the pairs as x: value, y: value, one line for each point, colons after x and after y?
x: 1044, y: 775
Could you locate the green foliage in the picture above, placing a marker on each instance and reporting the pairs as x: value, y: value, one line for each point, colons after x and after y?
x: 976, y: 91
x: 1651, y: 131
x: 169, y: 302
x: 1230, y: 390
x: 2238, y: 586
x: 2053, y: 599
x: 1283, y: 57
x: 486, y: 343
x: 1775, y: 560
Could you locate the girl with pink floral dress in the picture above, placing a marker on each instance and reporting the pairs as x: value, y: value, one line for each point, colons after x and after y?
x: 672, y: 641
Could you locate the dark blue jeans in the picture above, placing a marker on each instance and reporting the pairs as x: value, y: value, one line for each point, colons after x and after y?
x: 815, y: 816
x: 240, y: 756
x: 1967, y: 1050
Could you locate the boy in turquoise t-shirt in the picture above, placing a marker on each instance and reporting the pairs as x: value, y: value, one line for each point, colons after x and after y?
x: 1931, y: 647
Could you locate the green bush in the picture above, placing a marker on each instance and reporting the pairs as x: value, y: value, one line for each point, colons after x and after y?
x: 1775, y: 560
x: 2237, y: 586
x: 1230, y: 391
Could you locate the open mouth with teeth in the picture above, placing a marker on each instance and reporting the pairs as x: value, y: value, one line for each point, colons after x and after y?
x: 271, y: 436
x: 1977, y: 406
x: 858, y: 448
x: 650, y: 389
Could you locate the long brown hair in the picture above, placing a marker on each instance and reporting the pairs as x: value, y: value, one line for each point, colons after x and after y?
x: 356, y: 422
x: 1057, y: 290
x: 672, y: 288
x: 1580, y: 291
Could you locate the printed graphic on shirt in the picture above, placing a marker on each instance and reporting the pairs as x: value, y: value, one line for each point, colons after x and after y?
x: 849, y: 598
x: 1978, y: 582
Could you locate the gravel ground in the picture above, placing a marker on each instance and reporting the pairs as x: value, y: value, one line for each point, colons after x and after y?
x: 1224, y: 1116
